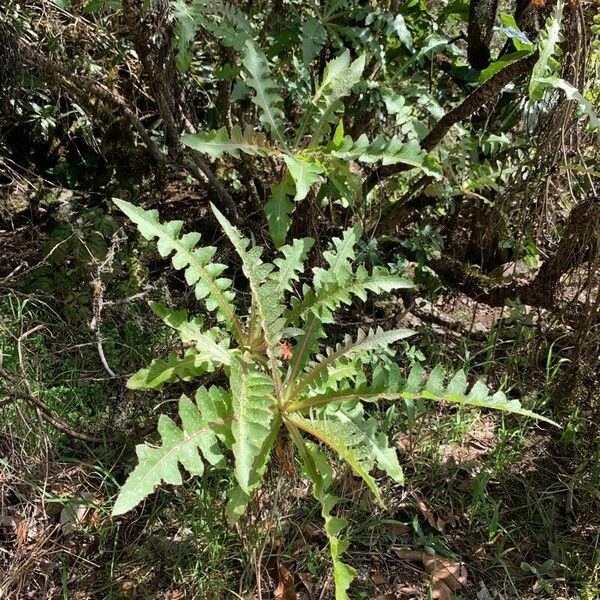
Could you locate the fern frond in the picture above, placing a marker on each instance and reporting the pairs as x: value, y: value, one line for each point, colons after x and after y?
x: 196, y: 263
x: 267, y: 97
x: 179, y: 445
x: 218, y: 142
x: 252, y: 404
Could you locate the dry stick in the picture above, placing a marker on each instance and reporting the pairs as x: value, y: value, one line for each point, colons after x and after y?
x: 98, y: 297
x: 42, y: 409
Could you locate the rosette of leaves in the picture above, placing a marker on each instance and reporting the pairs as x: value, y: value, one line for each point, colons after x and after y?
x: 310, y: 152
x: 318, y: 394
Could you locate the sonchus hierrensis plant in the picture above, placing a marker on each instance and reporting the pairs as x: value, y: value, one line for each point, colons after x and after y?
x: 316, y: 393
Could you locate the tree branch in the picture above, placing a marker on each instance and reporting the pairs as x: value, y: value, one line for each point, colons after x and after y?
x: 478, y: 98
x: 580, y: 243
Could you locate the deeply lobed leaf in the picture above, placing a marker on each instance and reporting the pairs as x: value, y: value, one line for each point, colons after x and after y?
x: 216, y: 143
x: 195, y: 261
x: 186, y: 445
x: 252, y: 404
x: 267, y: 97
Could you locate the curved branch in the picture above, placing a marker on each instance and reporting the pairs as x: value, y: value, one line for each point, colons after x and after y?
x: 473, y: 102
x: 580, y: 243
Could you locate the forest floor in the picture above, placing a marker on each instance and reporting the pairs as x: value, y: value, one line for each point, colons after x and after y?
x: 493, y: 508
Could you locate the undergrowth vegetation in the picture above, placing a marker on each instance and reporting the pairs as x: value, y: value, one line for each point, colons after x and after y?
x: 349, y: 349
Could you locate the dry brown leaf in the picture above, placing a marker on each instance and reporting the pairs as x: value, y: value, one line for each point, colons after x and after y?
x: 307, y: 582
x: 447, y: 575
x: 285, y: 589
x: 72, y: 515
x: 408, y: 590
x: 378, y: 578
x: 405, y: 554
x: 440, y: 591
x: 398, y: 528
x: 426, y: 511
x: 22, y: 528
x: 127, y: 587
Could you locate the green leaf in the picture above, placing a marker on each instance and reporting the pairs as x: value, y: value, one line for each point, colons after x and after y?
x: 174, y: 368
x: 376, y: 443
x: 364, y: 341
x: 196, y: 263
x: 278, y: 210
x: 388, y: 152
x: 161, y: 464
x: 435, y: 383
x: 214, y: 403
x: 225, y: 22
x: 253, y: 404
x: 338, y: 134
x: 331, y: 292
x: 401, y: 30
x: 290, y: 265
x: 511, y: 29
x: 339, y: 77
x: 211, y: 345
x: 267, y: 304
x: 321, y: 475
x: 572, y: 93
x: 304, y: 174
x: 307, y: 344
x: 346, y: 441
x: 414, y: 389
x: 217, y: 143
x: 267, y: 98
x: 502, y: 62
x: 238, y: 498
x: 186, y: 18
x: 548, y: 41
x: 314, y: 36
